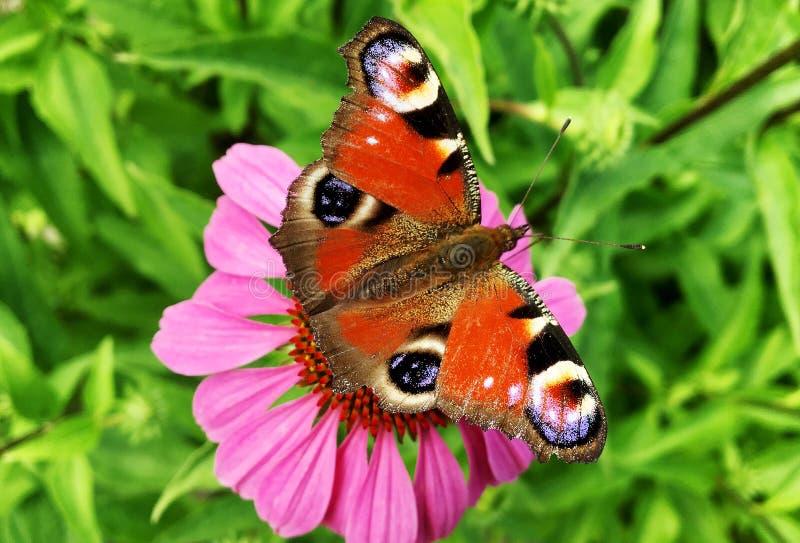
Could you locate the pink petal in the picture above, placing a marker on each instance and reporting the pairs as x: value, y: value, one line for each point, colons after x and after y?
x: 351, y: 469
x: 439, y: 486
x: 237, y: 243
x: 250, y: 452
x: 295, y: 494
x: 519, y: 258
x: 244, y: 296
x: 562, y: 298
x: 507, y: 457
x: 480, y: 474
x: 198, y: 339
x: 516, y: 259
x: 490, y: 208
x: 385, y: 509
x: 257, y: 178
x: 226, y: 401
x: 519, y: 216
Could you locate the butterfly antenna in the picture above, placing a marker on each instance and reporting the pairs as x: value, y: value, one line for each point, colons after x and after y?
x: 631, y: 246
x: 539, y: 171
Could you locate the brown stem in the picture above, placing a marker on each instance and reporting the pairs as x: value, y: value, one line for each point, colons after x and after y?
x: 566, y: 44
x: 782, y: 114
x: 508, y: 106
x: 707, y: 106
x: 7, y: 446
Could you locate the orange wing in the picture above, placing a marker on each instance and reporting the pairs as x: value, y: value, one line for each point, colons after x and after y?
x: 509, y: 365
x: 397, y: 137
x: 487, y: 349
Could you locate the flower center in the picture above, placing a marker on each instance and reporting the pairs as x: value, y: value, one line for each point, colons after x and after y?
x: 360, y: 407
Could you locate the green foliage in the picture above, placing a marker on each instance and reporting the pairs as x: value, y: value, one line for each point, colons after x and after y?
x: 112, y: 111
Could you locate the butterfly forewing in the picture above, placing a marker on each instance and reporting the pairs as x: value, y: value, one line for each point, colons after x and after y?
x: 397, y: 136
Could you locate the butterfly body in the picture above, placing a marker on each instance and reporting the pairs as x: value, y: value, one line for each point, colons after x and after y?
x: 403, y: 286
x: 455, y: 256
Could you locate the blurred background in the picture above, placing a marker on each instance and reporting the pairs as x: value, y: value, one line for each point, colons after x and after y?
x: 684, y: 137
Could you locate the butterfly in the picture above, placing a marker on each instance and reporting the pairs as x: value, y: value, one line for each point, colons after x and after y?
x: 402, y: 285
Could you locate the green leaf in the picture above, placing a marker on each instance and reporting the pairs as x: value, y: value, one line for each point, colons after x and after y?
x: 595, y: 192
x: 723, y: 20
x: 18, y: 34
x: 701, y: 280
x: 147, y: 463
x: 33, y: 522
x: 676, y: 209
x: 16, y: 75
x: 755, y: 30
x: 167, y: 226
x: 772, y: 359
x: 30, y: 393
x: 21, y: 291
x: 298, y: 61
x: 216, y: 519
x: 675, y: 70
x: 544, y: 71
x: 787, y: 498
x: 235, y: 97
x: 146, y: 23
x: 196, y: 473
x: 148, y: 256
x: 73, y: 96
x: 445, y: 28
x: 696, y: 430
x: 700, y: 517
x: 54, y: 179
x: 66, y: 377
x: 786, y: 526
x: 778, y: 188
x: 70, y: 485
x: 98, y: 393
x: 776, y: 472
x: 17, y: 483
x: 66, y: 438
x: 726, y: 343
x: 659, y: 522
x: 632, y: 57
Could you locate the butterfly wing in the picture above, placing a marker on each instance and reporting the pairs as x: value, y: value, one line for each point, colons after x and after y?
x: 486, y: 349
x: 333, y: 235
x: 396, y: 173
x: 509, y: 365
x: 396, y: 136
x: 396, y: 176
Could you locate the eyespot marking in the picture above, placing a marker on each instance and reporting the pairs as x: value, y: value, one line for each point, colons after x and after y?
x: 398, y: 74
x: 415, y: 372
x: 562, y: 405
x: 334, y: 200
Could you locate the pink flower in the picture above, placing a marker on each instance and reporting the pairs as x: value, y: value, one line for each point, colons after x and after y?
x: 286, y: 457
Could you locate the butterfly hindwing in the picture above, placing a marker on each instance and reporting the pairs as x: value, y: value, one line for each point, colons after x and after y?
x: 486, y: 349
x: 509, y: 365
x: 394, y: 347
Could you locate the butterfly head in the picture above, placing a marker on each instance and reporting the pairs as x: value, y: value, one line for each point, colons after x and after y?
x: 507, y: 236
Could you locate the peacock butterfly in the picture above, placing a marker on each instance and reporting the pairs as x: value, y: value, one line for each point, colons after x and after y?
x: 383, y: 246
